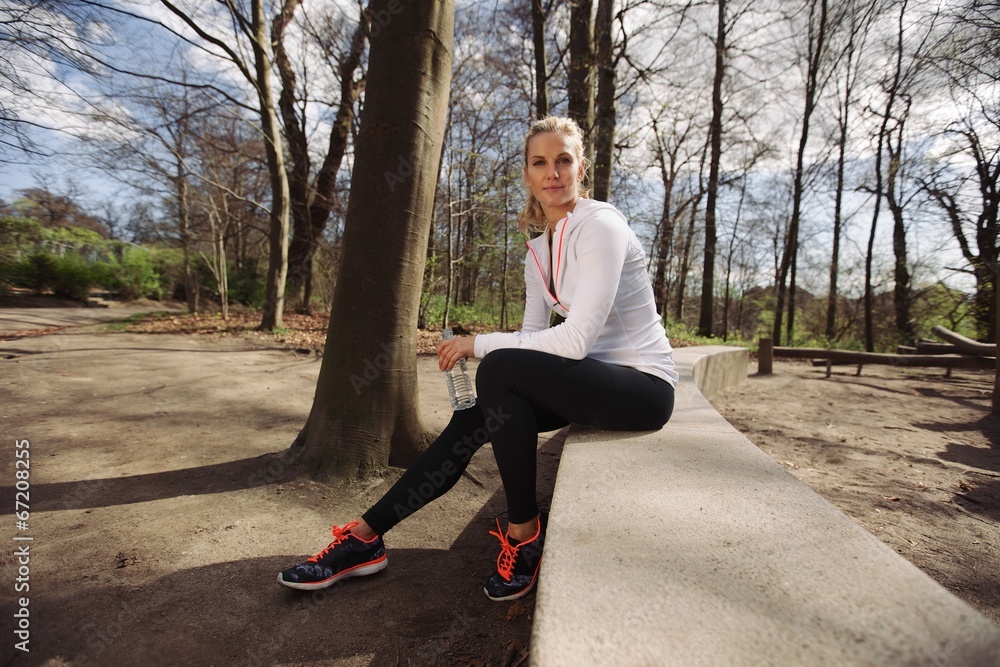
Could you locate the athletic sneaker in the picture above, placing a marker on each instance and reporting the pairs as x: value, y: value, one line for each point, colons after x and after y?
x: 517, y: 565
x: 347, y: 556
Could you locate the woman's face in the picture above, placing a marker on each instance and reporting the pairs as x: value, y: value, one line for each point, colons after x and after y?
x: 553, y: 173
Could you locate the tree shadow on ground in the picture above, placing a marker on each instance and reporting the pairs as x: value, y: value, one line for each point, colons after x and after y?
x: 978, y: 491
x: 216, y: 478
x: 972, y: 399
x: 427, y: 608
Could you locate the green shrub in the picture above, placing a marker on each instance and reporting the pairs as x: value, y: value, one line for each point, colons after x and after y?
x: 73, y: 277
x: 18, y: 236
x: 6, y: 276
x: 169, y: 266
x: 247, y: 287
x: 481, y: 316
x: 135, y: 276
x: 36, y: 272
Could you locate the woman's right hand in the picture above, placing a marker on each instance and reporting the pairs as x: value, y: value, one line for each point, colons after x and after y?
x: 450, y: 351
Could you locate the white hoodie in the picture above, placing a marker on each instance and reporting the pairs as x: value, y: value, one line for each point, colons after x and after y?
x: 601, y: 288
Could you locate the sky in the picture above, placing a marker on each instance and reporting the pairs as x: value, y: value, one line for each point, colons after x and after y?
x: 61, y: 173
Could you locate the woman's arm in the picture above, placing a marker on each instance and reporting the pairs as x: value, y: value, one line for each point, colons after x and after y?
x: 536, y: 318
x: 536, y: 311
x: 599, y: 252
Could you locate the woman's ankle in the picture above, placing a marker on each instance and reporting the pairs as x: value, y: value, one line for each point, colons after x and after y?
x: 523, y: 531
x: 363, y: 531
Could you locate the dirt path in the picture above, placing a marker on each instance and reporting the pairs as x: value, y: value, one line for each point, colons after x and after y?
x: 13, y: 320
x: 157, y: 538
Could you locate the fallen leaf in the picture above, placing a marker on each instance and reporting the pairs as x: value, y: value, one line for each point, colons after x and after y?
x: 515, y: 611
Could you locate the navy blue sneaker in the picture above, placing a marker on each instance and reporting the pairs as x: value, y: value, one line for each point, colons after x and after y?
x: 517, y: 565
x: 347, y: 556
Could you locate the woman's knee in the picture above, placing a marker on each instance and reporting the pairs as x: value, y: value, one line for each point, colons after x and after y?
x: 666, y: 407
x: 497, y: 366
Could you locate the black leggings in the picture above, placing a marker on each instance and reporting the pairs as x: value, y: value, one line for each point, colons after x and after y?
x: 522, y: 393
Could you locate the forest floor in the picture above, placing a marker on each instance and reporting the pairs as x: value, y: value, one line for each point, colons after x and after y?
x: 161, y: 512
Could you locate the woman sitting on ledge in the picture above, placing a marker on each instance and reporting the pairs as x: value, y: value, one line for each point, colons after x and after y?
x: 608, y: 364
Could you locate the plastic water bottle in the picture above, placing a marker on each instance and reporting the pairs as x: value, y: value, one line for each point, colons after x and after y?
x: 460, y: 387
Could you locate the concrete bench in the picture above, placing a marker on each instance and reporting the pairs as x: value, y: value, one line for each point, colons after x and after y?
x: 690, y: 546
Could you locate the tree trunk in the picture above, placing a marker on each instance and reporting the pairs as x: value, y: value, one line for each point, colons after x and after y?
x: 852, y: 65
x: 277, y: 267
x: 506, y: 257
x: 449, y: 234
x: 893, y: 90
x: 727, y: 296
x: 901, y: 273
x: 299, y: 165
x: 184, y: 221
x: 685, y: 267
x: 790, y: 255
x: 604, y: 134
x: 705, y: 320
x: 996, y: 324
x: 310, y: 224
x: 838, y: 206
x: 580, y: 85
x: 664, y: 253
x: 541, y: 65
x: 220, y: 254
x: 790, y: 327
x: 466, y: 273
x: 664, y: 242
x: 365, y: 411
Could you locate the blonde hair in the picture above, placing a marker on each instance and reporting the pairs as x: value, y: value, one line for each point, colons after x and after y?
x: 532, y: 219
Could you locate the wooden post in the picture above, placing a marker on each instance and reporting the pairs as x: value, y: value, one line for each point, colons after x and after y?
x: 765, y: 356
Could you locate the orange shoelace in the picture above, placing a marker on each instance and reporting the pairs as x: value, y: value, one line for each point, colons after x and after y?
x: 339, y: 535
x: 508, y: 553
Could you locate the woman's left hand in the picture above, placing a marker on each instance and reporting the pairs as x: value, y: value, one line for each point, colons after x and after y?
x: 450, y: 351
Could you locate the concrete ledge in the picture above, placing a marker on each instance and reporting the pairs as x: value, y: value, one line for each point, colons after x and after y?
x: 712, y: 368
x: 690, y: 546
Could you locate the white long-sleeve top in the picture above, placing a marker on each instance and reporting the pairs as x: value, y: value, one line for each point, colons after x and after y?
x: 598, y: 271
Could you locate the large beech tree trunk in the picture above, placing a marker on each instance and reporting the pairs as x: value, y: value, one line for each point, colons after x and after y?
x: 364, y: 415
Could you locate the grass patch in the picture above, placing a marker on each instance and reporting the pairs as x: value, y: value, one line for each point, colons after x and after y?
x: 125, y: 323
